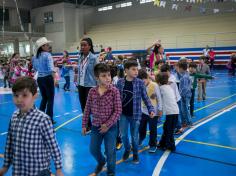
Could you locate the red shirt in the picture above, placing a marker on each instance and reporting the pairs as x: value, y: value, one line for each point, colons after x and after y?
x: 105, y: 109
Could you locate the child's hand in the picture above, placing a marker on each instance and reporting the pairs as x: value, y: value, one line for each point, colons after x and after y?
x: 103, y: 128
x: 59, y: 172
x: 152, y: 114
x: 84, y: 131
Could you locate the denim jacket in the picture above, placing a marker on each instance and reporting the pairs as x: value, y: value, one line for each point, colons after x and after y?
x: 89, y: 80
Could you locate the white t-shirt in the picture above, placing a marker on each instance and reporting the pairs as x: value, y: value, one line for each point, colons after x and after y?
x: 174, y: 86
x: 169, y: 103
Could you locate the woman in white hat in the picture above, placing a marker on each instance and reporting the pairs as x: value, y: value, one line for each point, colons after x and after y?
x: 43, y: 64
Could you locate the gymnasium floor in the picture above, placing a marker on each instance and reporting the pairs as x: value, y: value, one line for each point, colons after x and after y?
x: 209, y: 148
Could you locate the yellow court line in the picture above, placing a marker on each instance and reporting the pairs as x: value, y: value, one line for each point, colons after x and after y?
x: 218, y: 101
x: 60, y: 126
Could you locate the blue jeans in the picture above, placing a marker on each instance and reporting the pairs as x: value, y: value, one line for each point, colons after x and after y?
x: 185, y: 111
x: 67, y: 84
x: 125, y: 121
x: 179, y: 121
x: 110, y: 147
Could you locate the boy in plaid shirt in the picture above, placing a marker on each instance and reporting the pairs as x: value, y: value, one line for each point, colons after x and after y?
x: 104, y: 104
x: 31, y: 140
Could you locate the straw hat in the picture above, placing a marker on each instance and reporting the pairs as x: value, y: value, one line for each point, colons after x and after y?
x: 40, y: 42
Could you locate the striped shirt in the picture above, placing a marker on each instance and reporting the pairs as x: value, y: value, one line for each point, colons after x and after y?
x: 105, y: 109
x: 31, y: 143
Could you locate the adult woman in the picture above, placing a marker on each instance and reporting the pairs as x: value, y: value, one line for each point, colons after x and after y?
x: 86, y: 62
x: 43, y: 64
x: 157, y: 54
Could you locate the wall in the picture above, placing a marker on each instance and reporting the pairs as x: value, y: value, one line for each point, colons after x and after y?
x: 54, y: 31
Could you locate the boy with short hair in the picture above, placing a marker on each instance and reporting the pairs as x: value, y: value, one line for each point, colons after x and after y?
x: 185, y: 93
x: 104, y: 104
x: 153, y: 91
x: 194, y: 77
x: 31, y: 140
x: 202, y: 68
x: 132, y: 91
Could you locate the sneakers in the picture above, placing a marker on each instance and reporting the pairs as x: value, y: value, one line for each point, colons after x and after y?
x: 152, y: 149
x: 99, y: 168
x: 135, y: 159
x: 119, y: 145
x: 125, y: 155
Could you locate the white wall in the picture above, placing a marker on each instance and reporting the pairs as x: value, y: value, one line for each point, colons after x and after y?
x: 22, y: 4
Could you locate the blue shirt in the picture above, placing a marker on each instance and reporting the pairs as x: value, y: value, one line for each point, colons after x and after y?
x: 43, y: 64
x: 139, y: 94
x: 185, y: 85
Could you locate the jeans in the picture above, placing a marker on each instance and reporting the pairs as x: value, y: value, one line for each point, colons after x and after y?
x: 67, y: 84
x: 125, y: 122
x: 152, y: 122
x: 185, y: 111
x: 179, y: 121
x: 110, y: 147
x: 46, y: 87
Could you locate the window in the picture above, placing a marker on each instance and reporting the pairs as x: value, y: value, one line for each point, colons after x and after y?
x: 104, y: 8
x: 126, y: 4
x: 48, y: 17
x: 145, y: 1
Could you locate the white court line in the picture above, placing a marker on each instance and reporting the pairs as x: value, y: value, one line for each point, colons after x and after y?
x: 3, y: 133
x: 75, y: 110
x: 66, y: 113
x: 165, y: 155
x: 58, y: 116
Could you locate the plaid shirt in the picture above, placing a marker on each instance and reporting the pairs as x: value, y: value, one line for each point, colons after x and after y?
x: 139, y: 93
x: 105, y: 109
x: 30, y: 144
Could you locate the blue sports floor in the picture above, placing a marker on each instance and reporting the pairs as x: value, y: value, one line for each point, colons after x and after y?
x: 209, y: 148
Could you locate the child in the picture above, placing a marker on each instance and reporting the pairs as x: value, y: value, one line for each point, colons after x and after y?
x: 173, y: 84
x: 65, y: 72
x: 132, y: 90
x: 31, y: 140
x: 194, y: 76
x: 56, y: 75
x: 185, y: 85
x: 104, y: 104
x: 154, y: 94
x: 202, y: 68
x: 170, y: 108
x: 76, y: 73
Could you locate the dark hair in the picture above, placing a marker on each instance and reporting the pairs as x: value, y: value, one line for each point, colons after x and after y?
x: 67, y: 54
x: 90, y: 43
x: 156, y: 48
x: 165, y: 68
x: 183, y: 64
x: 14, y: 54
x: 142, y: 74
x: 25, y: 82
x: 39, y: 52
x: 204, y: 58
x: 192, y: 65
x: 162, y: 78
x: 102, y: 50
x: 120, y: 73
x: 130, y: 63
x: 101, y: 68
